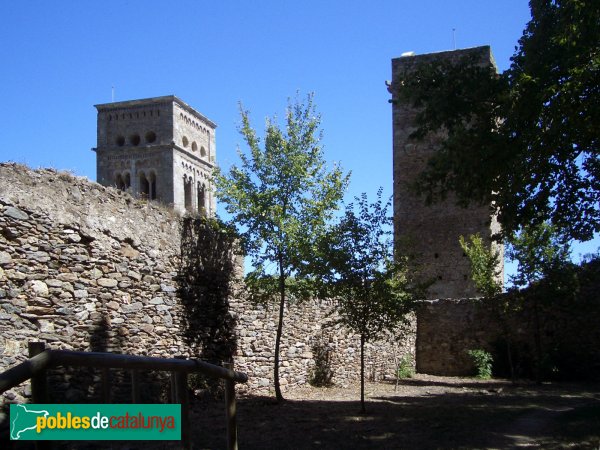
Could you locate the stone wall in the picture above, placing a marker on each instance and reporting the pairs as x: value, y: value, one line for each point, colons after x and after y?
x: 87, y: 267
x: 447, y: 329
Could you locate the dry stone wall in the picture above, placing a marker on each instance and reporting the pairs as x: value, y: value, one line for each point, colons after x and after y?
x: 447, y: 329
x: 86, y: 267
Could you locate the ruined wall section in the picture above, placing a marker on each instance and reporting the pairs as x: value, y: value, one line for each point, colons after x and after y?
x: 88, y: 267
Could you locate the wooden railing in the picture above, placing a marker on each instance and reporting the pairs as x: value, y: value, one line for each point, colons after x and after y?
x: 42, y: 359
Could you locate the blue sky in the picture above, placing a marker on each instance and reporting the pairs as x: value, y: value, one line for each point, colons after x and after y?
x: 59, y: 58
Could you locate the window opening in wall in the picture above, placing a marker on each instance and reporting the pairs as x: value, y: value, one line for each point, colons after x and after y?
x: 202, y: 152
x: 120, y: 141
x: 152, y: 181
x: 185, y: 141
x: 134, y: 139
x: 194, y: 146
x: 150, y: 137
x: 201, y: 199
x: 144, y: 186
x: 120, y: 182
x: 187, y: 193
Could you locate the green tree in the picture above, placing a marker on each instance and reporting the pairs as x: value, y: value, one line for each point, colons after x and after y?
x: 373, y: 290
x: 281, y: 196
x: 540, y: 253
x: 527, y: 139
x: 538, y: 250
x: 485, y: 271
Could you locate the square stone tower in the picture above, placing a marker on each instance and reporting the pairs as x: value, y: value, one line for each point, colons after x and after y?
x: 431, y: 233
x: 157, y: 148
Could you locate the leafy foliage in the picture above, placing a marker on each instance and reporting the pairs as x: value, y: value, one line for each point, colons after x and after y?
x: 483, y: 363
x: 484, y: 265
x: 525, y: 140
x: 405, y: 368
x: 374, y: 290
x: 372, y: 286
x: 281, y: 197
x: 553, y: 327
x: 538, y: 251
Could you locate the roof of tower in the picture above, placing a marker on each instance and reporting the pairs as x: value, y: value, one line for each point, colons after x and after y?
x: 484, y: 52
x: 155, y: 100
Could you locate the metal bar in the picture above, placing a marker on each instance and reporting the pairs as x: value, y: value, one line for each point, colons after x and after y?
x: 230, y: 410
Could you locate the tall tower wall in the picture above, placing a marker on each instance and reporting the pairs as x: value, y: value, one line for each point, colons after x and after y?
x: 431, y: 233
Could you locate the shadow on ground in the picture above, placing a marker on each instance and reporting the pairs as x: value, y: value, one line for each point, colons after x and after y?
x: 426, y: 413
x: 479, y: 417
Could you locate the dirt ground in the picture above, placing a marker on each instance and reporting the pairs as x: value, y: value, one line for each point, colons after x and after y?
x: 423, y: 412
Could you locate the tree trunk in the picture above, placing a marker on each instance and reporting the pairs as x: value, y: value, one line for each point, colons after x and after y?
x: 278, y: 394
x: 538, y: 341
x: 362, y: 374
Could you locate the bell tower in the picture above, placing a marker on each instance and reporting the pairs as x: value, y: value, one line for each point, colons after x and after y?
x: 158, y: 149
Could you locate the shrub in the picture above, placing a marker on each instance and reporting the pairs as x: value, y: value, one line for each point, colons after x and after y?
x: 405, y: 368
x: 483, y: 363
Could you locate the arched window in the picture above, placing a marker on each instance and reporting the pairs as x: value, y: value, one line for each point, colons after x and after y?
x: 150, y: 137
x: 120, y: 182
x: 144, y: 186
x: 201, y: 193
x: 187, y: 193
x: 134, y: 139
x: 152, y: 182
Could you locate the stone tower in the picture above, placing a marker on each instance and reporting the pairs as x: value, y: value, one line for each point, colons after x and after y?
x: 157, y: 148
x: 431, y: 233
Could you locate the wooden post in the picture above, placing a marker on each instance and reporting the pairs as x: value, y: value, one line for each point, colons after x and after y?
x: 105, y: 385
x: 181, y: 389
x: 39, y: 387
x: 39, y: 382
x: 135, y: 386
x: 173, y: 385
x: 230, y: 410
